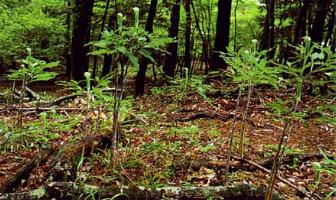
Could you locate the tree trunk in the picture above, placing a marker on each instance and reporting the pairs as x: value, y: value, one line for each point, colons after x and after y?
x: 67, y: 46
x: 331, y: 23
x: 95, y: 59
x: 140, y: 79
x: 267, y: 40
x: 187, y: 52
x: 205, y: 51
x: 222, y: 34
x: 80, y: 37
x: 320, y: 20
x: 171, y: 59
x: 111, y: 25
x: 301, y: 23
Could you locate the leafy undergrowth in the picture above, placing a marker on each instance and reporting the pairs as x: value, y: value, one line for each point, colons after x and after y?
x: 160, y: 141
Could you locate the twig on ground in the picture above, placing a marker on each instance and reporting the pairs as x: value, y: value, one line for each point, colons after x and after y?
x: 140, y: 118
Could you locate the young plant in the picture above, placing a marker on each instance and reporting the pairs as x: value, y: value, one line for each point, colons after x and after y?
x: 183, y: 87
x: 31, y: 70
x: 126, y: 45
x: 328, y: 166
x: 248, y: 68
x: 311, y: 59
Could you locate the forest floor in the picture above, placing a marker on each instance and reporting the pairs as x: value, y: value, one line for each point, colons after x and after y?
x: 165, y: 139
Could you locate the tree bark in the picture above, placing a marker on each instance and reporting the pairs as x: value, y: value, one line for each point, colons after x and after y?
x: 187, y: 52
x: 205, y: 45
x: 80, y: 37
x: 320, y: 20
x: 140, y: 79
x: 171, y: 59
x: 331, y: 23
x: 111, y: 25
x: 222, y: 34
x: 67, y: 46
x: 95, y: 59
x: 267, y: 41
x: 72, y: 190
x: 301, y: 22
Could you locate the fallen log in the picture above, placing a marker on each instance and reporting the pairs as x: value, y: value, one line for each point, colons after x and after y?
x: 61, y: 161
x: 14, y: 181
x: 70, y: 190
x: 38, y: 194
x: 62, y: 166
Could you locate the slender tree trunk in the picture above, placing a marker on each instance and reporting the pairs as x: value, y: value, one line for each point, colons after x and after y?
x: 333, y: 31
x: 171, y: 59
x: 222, y: 34
x: 187, y: 52
x: 333, y: 44
x: 140, y: 79
x: 301, y: 23
x: 95, y: 59
x: 111, y: 25
x: 67, y: 46
x: 320, y: 20
x: 267, y: 40
x: 205, y: 45
x: 331, y: 23
x: 80, y: 37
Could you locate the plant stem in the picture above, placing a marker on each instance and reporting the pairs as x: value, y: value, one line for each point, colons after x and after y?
x: 23, y: 91
x: 242, y: 131
x: 117, y: 103
x: 231, y: 136
x: 286, y: 133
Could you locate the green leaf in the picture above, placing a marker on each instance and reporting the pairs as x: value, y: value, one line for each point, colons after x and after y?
x: 147, y: 55
x: 318, y: 56
x: 134, y: 60
x: 101, y: 52
x: 44, y: 77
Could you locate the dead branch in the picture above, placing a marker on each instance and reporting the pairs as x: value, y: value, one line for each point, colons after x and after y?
x: 207, y: 116
x: 217, y: 116
x: 267, y: 163
x: 210, y: 164
x: 236, y: 165
x: 59, y: 100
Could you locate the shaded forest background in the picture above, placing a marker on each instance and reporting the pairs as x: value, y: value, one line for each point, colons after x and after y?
x: 182, y: 99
